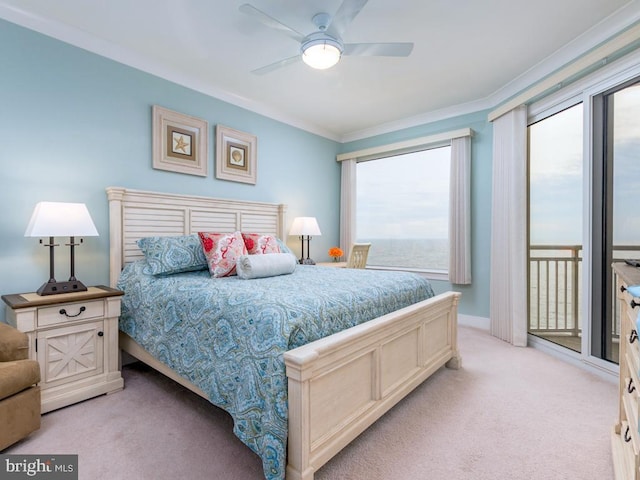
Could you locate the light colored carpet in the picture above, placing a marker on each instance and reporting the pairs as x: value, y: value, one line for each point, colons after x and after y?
x: 509, y: 413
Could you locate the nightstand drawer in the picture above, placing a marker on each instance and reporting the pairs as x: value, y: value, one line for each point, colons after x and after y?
x: 70, y: 312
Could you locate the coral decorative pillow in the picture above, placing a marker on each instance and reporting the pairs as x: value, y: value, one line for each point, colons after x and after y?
x: 222, y: 251
x: 260, y: 244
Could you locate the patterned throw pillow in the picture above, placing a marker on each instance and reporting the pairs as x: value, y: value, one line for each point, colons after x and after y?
x: 222, y: 251
x: 283, y: 246
x: 167, y: 255
x: 258, y: 244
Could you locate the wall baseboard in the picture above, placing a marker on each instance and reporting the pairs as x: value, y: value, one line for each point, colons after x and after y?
x: 473, y: 321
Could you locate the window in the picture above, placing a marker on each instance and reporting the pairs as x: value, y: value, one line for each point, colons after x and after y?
x: 402, y: 208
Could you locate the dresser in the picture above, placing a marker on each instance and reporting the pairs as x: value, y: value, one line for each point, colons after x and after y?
x: 625, y: 438
x: 74, y: 338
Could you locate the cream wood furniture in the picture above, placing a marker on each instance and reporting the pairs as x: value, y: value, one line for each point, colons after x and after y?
x: 74, y: 338
x: 358, y: 255
x: 338, y: 385
x: 625, y: 439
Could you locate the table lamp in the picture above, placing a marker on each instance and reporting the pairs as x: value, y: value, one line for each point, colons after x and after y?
x: 305, y: 226
x: 55, y: 219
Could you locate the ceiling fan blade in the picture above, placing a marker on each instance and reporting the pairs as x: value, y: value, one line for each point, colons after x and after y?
x: 344, y: 16
x: 270, y: 21
x: 276, y: 65
x: 378, y: 49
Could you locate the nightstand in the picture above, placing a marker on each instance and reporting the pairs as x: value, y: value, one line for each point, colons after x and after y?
x: 333, y: 264
x: 74, y: 338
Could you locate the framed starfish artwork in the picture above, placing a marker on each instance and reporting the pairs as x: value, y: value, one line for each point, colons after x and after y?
x: 180, y: 142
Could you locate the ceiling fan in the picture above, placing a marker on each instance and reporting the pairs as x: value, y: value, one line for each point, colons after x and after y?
x: 323, y: 48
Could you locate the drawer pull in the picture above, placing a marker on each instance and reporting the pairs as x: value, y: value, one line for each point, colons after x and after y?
x: 100, y: 334
x: 634, y: 304
x: 623, y: 288
x: 627, y: 437
x: 630, y: 387
x: 634, y: 336
x: 82, y: 309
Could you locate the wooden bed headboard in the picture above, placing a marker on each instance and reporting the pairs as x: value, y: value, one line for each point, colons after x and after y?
x: 134, y: 214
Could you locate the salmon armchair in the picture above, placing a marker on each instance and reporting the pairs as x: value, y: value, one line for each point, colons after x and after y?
x: 19, y: 392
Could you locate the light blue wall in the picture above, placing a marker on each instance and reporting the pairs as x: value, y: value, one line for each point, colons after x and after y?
x: 73, y: 123
x: 475, y: 297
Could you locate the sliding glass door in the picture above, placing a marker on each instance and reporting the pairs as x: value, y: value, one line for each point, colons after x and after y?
x: 555, y: 227
x: 616, y: 206
x: 584, y: 210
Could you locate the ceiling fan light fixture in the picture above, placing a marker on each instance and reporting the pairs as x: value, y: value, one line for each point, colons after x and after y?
x: 321, y: 53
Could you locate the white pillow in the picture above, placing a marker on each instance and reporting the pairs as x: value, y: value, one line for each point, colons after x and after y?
x: 269, y: 265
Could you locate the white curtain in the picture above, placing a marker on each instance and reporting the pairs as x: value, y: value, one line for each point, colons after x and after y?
x: 460, y: 212
x: 508, y: 285
x: 348, y: 205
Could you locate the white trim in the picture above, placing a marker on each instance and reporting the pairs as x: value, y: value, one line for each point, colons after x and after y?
x: 549, y: 109
x: 588, y: 60
x: 107, y: 49
x: 422, y: 119
x: 405, y: 146
x: 626, y: 66
x: 439, y: 275
x: 618, y: 21
x: 608, y: 372
x: 483, y: 323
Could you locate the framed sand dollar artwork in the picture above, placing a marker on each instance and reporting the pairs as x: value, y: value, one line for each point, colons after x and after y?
x: 236, y: 154
x: 180, y: 142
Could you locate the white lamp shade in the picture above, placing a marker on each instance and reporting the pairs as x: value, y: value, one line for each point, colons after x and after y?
x: 57, y: 219
x: 321, y: 54
x: 305, y: 226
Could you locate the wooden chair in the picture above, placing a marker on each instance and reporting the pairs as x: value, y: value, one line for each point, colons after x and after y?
x: 358, y: 255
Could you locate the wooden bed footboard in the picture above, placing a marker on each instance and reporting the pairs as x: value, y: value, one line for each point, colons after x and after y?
x: 341, y: 384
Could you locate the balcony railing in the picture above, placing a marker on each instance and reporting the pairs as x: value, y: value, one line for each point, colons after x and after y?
x: 555, y: 286
x: 554, y: 289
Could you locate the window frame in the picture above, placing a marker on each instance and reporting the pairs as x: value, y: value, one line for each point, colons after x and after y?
x: 429, y: 272
x: 348, y: 189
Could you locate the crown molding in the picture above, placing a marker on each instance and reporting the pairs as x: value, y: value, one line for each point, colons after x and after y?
x: 608, y: 28
x: 417, y: 120
x: 85, y: 41
x: 600, y: 33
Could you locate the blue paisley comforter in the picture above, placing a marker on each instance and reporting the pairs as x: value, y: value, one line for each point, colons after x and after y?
x: 228, y: 335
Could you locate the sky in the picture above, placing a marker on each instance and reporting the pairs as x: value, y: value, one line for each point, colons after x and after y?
x: 406, y: 196
x: 556, y: 174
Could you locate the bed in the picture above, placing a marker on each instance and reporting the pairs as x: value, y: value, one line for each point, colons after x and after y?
x: 335, y: 385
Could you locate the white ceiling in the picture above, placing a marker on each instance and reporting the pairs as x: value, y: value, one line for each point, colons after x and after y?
x: 468, y: 54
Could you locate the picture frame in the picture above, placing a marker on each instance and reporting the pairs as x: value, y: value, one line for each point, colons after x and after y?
x: 236, y: 155
x: 180, y: 142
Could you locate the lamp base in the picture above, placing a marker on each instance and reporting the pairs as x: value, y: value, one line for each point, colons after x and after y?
x: 308, y: 261
x: 54, y: 288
